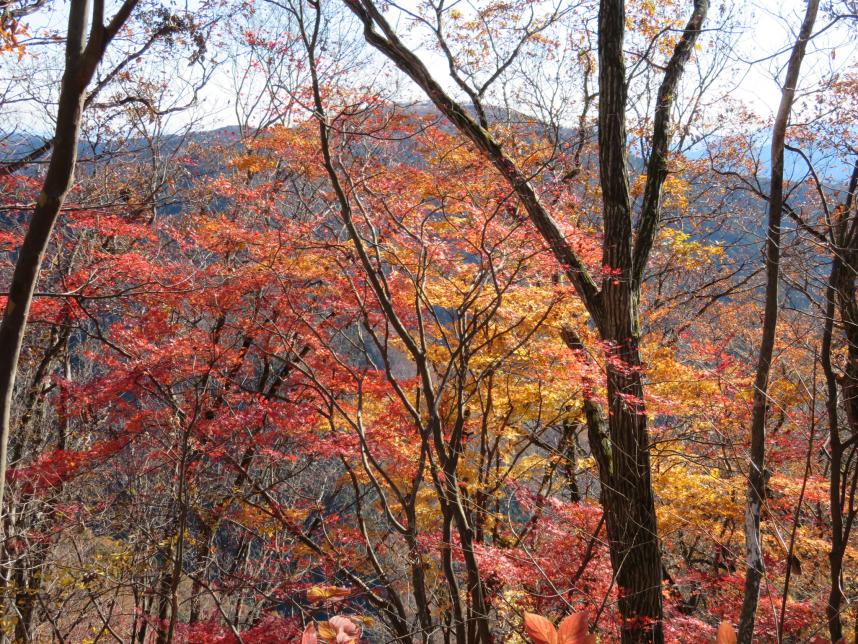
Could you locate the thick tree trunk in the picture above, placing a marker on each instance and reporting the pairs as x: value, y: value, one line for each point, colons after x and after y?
x: 627, y: 496
x: 756, y: 467
x: 619, y: 444
x: 629, y: 505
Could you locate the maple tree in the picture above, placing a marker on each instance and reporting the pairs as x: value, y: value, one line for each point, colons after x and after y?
x: 484, y: 368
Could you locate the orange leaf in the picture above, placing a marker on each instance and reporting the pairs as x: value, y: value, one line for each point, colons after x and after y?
x: 541, y: 631
x: 327, y: 631
x: 309, y: 636
x: 573, y: 630
x: 327, y: 593
x: 726, y: 634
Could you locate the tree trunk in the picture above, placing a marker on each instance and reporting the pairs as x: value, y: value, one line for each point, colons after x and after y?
x: 57, y: 183
x: 756, y: 467
x: 165, y: 585
x: 840, y: 296
x: 835, y: 555
x: 569, y: 450
x: 622, y: 449
x: 82, y: 57
x: 629, y: 506
x: 626, y: 487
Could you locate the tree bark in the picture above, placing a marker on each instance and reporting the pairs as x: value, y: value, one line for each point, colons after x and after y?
x: 82, y: 57
x: 621, y: 448
x: 840, y: 296
x: 627, y: 495
x: 756, y: 467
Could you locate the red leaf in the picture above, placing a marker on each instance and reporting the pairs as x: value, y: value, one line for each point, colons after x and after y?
x: 541, y: 631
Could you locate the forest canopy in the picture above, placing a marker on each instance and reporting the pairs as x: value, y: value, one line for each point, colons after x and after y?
x: 473, y: 321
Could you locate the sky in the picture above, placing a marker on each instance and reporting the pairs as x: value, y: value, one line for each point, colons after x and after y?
x: 769, y: 28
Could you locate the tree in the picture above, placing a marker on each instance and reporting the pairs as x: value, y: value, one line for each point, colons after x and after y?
x: 83, y: 53
x: 614, y: 308
x: 318, y: 376
x: 756, y: 468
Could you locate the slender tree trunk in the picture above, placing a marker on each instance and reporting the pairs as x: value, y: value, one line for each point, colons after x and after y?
x: 835, y: 554
x: 57, y: 183
x: 457, y: 618
x: 569, y: 449
x: 840, y: 295
x: 82, y: 57
x: 756, y: 468
x: 29, y: 584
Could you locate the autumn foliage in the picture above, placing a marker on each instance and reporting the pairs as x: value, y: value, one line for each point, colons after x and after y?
x: 323, y: 378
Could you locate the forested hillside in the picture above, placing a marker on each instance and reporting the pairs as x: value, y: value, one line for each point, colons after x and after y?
x: 442, y: 321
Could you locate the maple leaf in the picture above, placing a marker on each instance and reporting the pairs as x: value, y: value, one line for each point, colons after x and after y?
x: 540, y: 630
x: 327, y: 593
x: 309, y: 636
x: 347, y: 630
x: 573, y: 630
x: 339, y: 629
x: 726, y: 634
